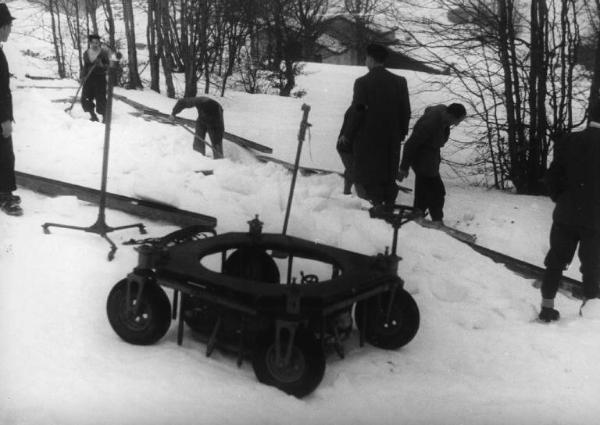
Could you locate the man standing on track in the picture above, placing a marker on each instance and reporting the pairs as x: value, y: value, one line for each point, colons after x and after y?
x: 378, y: 123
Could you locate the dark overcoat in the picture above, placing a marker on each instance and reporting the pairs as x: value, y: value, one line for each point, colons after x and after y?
x: 378, y: 124
x: 573, y: 179
x: 6, y: 105
x: 7, y: 155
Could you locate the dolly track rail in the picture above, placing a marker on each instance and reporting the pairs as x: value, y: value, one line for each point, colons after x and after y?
x: 141, y: 208
x: 572, y: 286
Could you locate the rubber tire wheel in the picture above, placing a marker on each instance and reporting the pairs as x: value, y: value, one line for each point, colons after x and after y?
x: 252, y: 264
x: 198, y: 315
x: 302, y: 376
x: 403, y: 324
x: 154, y: 317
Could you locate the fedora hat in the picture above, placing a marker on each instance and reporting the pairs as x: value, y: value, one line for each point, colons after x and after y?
x: 5, y: 16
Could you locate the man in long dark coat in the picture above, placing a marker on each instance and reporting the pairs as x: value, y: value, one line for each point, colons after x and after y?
x: 210, y: 119
x: 573, y: 181
x: 9, y: 203
x: 378, y: 124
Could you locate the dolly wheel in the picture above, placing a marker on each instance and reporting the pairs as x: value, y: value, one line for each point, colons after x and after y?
x: 393, y: 331
x: 198, y: 315
x: 140, y: 321
x: 252, y: 264
x: 301, y: 374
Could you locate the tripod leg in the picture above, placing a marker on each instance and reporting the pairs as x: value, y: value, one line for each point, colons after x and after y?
x: 113, y: 248
x: 45, y: 226
x: 140, y: 226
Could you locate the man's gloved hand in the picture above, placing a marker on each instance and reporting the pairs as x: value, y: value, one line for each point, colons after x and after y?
x: 402, y: 174
x: 6, y: 129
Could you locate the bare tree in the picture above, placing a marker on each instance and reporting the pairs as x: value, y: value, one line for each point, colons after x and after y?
x: 151, y: 37
x: 57, y: 37
x: 511, y: 67
x: 288, y: 25
x: 133, y: 80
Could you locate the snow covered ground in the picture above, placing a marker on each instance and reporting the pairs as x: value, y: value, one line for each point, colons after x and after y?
x: 479, y: 358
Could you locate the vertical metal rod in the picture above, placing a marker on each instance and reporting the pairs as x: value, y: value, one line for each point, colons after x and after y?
x: 112, y: 72
x: 301, y: 135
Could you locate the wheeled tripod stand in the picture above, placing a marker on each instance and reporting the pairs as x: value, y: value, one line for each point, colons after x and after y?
x: 100, y: 227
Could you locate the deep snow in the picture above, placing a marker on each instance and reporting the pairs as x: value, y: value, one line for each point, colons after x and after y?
x: 479, y: 358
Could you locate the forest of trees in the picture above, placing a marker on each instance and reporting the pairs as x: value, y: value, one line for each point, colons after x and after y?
x: 515, y: 63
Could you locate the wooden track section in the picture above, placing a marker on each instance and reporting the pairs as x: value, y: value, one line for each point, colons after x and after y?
x: 138, y: 207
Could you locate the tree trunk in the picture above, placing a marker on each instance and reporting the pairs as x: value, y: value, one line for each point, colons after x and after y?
x: 153, y: 57
x: 91, y: 6
x: 134, y: 81
x: 56, y: 37
x: 110, y: 20
x: 162, y: 20
x: 537, y: 97
x: 78, y: 35
x: 594, y: 97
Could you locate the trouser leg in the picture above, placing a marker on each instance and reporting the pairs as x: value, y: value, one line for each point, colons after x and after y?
x: 201, y: 133
x: 100, y: 94
x: 589, y: 257
x: 563, y: 243
x: 390, y: 191
x: 216, y: 139
x: 420, y: 192
x: 7, y: 165
x: 375, y: 193
x: 87, y: 95
x: 430, y: 195
x: 437, y: 197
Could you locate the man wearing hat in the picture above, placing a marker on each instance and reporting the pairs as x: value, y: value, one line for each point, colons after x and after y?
x: 377, y: 125
x: 9, y: 203
x: 96, y: 60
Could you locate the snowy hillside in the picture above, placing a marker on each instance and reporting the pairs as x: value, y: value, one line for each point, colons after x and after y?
x: 479, y: 358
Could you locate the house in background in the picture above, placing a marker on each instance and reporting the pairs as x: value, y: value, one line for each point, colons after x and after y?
x: 338, y: 45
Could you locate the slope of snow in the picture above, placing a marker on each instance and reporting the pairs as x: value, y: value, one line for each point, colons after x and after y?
x: 479, y: 358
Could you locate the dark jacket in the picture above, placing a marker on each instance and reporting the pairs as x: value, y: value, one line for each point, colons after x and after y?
x: 377, y: 125
x: 102, y: 62
x: 6, y: 106
x: 573, y: 179
x: 422, y: 149
x: 210, y: 112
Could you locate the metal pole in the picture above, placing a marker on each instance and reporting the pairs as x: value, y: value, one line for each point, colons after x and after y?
x: 301, y: 135
x: 112, y: 75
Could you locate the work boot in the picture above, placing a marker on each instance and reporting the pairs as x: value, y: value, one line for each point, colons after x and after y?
x: 9, y: 204
x: 93, y: 117
x: 548, y: 314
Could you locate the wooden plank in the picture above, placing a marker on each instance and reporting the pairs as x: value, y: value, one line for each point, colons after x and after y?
x: 303, y: 170
x: 141, y: 208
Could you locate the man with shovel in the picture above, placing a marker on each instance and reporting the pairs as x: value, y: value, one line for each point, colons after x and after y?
x: 96, y: 60
x: 210, y: 119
